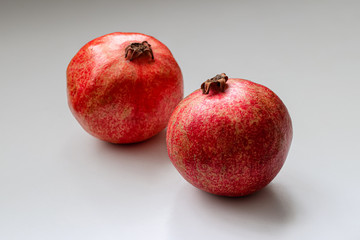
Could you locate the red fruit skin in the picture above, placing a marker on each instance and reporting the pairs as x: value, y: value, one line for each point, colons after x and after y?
x: 118, y: 100
x: 230, y: 143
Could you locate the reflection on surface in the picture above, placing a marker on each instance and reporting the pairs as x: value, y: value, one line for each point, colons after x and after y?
x: 127, y: 171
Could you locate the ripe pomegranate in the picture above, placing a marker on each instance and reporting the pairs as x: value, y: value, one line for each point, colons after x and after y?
x: 123, y: 87
x: 231, y: 138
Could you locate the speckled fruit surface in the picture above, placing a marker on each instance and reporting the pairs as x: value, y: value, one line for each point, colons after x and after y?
x: 120, y: 100
x: 230, y: 143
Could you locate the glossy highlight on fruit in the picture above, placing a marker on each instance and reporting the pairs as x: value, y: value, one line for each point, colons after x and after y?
x: 231, y: 138
x: 123, y: 87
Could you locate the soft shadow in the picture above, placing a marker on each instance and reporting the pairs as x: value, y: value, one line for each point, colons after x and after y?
x: 269, y: 204
x: 270, y: 209
x: 140, y: 158
x: 156, y: 143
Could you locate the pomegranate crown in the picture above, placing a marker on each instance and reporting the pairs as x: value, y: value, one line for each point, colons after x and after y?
x: 136, y: 49
x: 220, y: 80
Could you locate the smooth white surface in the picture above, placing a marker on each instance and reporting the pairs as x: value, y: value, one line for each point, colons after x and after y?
x: 57, y: 182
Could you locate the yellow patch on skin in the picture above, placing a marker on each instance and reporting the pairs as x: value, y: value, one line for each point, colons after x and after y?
x: 253, y: 120
x: 126, y: 113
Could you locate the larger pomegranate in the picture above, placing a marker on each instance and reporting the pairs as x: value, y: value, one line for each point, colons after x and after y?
x: 123, y: 87
x: 231, y: 138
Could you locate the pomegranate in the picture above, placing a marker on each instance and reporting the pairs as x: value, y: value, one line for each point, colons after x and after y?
x: 123, y: 87
x: 231, y: 138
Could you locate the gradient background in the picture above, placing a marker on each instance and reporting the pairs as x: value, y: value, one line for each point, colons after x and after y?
x: 58, y: 182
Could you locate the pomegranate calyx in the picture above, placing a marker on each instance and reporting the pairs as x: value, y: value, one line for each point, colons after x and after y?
x: 220, y: 81
x: 136, y: 49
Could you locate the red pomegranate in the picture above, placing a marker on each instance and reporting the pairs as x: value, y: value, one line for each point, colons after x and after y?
x: 123, y: 87
x: 231, y: 138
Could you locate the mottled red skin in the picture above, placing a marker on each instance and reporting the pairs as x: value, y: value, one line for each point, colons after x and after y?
x: 230, y: 143
x: 118, y: 100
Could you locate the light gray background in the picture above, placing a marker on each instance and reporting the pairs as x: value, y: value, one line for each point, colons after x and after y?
x: 58, y: 182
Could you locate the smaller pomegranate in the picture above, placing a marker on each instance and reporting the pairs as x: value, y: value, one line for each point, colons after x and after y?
x: 123, y: 87
x: 231, y: 138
